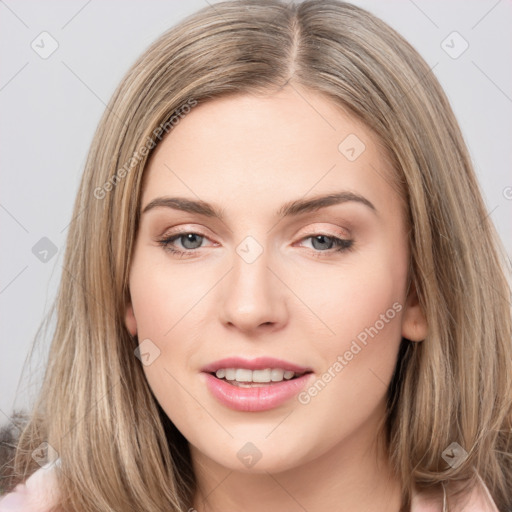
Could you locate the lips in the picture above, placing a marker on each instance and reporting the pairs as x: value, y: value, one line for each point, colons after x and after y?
x: 260, y: 363
x: 254, y: 397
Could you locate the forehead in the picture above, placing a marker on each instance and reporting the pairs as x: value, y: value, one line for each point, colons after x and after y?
x: 239, y: 148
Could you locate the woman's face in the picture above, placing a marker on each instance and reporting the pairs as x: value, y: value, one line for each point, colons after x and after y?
x: 276, y: 285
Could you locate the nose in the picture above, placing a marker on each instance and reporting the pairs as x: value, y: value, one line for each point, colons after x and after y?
x: 253, y: 297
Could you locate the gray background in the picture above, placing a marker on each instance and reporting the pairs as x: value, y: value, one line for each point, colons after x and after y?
x: 49, y: 109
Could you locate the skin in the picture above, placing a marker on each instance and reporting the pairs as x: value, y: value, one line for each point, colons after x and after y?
x: 298, y: 301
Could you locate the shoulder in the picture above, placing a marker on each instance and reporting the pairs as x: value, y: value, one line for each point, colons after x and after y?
x: 38, y: 494
x: 476, y: 499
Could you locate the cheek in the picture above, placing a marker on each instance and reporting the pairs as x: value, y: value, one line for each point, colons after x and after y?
x: 365, y: 315
x: 350, y: 298
x: 165, y: 296
x: 348, y: 394
x: 167, y: 304
x: 359, y: 335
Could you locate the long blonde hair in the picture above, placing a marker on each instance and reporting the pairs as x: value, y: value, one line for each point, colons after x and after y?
x: 118, y: 450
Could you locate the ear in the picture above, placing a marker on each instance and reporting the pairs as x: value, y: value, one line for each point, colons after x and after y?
x: 414, y: 323
x: 129, y: 319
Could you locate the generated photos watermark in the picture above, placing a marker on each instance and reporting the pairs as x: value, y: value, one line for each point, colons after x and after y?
x: 343, y: 360
x: 143, y: 151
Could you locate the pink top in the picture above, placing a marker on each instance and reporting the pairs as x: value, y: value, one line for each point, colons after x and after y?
x: 39, y: 493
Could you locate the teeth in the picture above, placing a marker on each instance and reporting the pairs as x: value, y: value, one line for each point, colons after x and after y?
x: 245, y: 375
x: 261, y: 375
x: 276, y: 375
x: 242, y: 375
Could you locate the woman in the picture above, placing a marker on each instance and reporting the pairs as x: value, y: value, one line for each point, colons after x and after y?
x: 281, y: 286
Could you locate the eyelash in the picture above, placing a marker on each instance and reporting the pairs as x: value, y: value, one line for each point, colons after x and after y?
x: 340, y: 244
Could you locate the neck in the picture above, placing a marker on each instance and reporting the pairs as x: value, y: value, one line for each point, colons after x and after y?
x: 353, y: 475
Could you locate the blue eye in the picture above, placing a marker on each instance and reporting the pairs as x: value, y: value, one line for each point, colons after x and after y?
x: 188, y: 239
x: 322, y: 244
x: 338, y: 244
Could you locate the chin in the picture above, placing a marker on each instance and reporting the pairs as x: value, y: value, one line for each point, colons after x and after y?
x: 258, y: 456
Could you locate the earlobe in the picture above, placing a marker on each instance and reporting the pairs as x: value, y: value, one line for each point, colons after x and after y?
x: 414, y: 323
x: 129, y: 319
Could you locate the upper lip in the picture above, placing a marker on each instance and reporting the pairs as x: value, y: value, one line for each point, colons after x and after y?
x: 259, y: 363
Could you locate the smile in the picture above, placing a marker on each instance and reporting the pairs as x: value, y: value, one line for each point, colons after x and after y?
x: 254, y: 385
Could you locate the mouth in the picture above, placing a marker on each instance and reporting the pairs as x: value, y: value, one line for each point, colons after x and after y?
x: 254, y: 385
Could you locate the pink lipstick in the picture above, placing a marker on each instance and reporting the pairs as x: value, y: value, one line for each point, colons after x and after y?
x: 254, y: 385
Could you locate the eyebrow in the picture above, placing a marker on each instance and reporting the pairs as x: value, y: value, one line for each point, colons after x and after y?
x: 290, y: 209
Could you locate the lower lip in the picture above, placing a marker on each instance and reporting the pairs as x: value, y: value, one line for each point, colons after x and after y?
x: 261, y: 398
